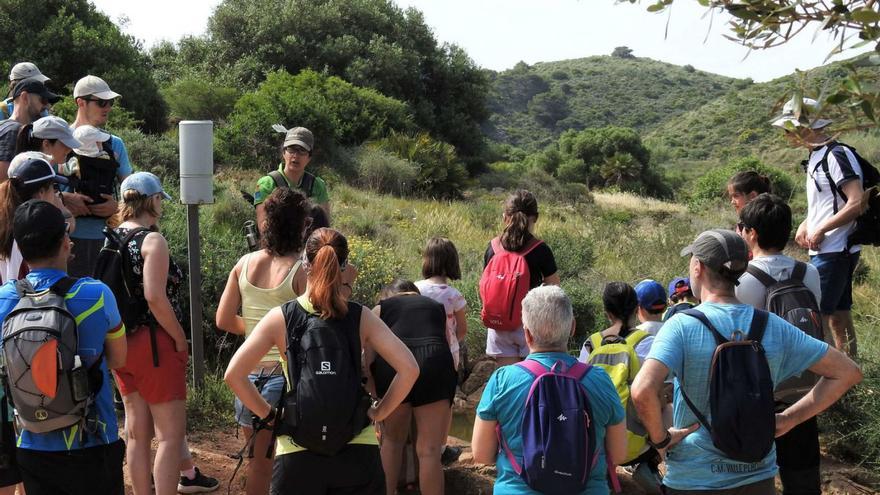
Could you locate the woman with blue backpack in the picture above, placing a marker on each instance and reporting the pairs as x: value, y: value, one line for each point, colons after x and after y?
x: 549, y: 396
x: 326, y: 443
x: 515, y: 262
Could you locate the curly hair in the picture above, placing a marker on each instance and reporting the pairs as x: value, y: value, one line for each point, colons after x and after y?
x: 286, y: 212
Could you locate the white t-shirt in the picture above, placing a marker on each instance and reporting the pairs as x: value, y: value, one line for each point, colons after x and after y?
x: 10, y: 269
x: 821, y: 203
x: 453, y: 301
x: 779, y: 266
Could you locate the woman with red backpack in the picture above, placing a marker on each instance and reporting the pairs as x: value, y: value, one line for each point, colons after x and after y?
x: 515, y: 262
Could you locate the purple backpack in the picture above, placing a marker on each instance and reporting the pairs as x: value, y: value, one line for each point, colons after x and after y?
x: 558, y: 435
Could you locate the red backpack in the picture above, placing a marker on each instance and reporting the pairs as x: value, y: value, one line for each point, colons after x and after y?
x: 504, y: 285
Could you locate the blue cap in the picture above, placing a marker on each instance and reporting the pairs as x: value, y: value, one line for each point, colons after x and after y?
x: 144, y: 183
x: 650, y: 294
x: 679, y: 285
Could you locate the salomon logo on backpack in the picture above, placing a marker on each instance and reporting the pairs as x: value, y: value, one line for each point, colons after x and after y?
x: 558, y: 435
x: 42, y: 370
x: 793, y: 301
x: 326, y: 405
x: 867, y: 225
x: 114, y: 269
x: 741, y: 403
x: 503, y: 286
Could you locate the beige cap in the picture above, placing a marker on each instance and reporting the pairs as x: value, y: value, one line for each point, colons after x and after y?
x: 300, y: 136
x: 25, y: 70
x: 94, y: 86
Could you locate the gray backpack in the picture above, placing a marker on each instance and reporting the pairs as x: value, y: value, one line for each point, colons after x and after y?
x: 41, y: 370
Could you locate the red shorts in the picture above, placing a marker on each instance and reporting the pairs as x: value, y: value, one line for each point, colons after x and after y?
x: 164, y: 383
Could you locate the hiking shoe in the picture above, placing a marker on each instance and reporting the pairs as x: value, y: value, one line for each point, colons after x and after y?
x: 199, y: 484
x: 449, y: 455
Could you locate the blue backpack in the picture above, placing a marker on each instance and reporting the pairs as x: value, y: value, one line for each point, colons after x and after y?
x: 558, y: 435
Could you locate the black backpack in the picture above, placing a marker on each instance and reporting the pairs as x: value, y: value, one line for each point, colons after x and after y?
x: 741, y: 402
x: 793, y: 301
x: 97, y: 176
x: 867, y: 228
x: 325, y: 405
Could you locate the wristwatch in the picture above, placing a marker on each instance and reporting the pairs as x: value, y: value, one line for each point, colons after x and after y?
x: 663, y: 443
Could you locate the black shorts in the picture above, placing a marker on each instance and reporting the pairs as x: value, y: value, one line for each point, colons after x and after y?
x: 437, y: 375
x: 9, y: 475
x: 76, y: 472
x: 356, y: 470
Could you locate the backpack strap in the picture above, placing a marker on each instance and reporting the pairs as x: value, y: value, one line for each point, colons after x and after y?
x: 307, y: 183
x: 63, y: 285
x: 759, y: 324
x: 762, y: 276
x: 595, y: 341
x: 799, y: 271
x: 532, y: 244
x: 534, y: 368
x: 635, y: 337
x: 695, y: 313
x: 278, y: 178
x: 496, y: 245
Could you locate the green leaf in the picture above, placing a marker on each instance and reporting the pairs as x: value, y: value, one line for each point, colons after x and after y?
x: 869, y: 110
x: 837, y: 98
x: 865, y: 15
x: 657, y: 7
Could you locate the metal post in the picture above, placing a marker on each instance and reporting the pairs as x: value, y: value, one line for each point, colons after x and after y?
x: 195, y: 294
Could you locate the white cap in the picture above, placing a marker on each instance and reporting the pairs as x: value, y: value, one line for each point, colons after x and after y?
x: 89, y: 136
x: 94, y: 86
x: 25, y: 70
x: 791, y: 118
x: 52, y: 127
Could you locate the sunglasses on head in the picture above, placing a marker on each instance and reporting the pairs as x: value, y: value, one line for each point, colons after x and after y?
x: 101, y: 103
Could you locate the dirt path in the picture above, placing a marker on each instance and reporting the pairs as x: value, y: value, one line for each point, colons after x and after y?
x: 212, y: 451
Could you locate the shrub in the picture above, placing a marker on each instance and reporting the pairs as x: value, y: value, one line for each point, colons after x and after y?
x: 441, y: 175
x: 156, y: 153
x: 384, y: 172
x: 713, y: 185
x: 377, y: 266
x: 193, y: 98
x: 573, y: 251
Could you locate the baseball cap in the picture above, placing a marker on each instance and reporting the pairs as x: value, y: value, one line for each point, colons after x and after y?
x: 797, y: 114
x: 33, y: 167
x: 89, y: 137
x: 53, y: 127
x: 650, y: 294
x: 144, y: 183
x: 300, y: 136
x: 94, y: 86
x: 36, y: 87
x: 37, y: 226
x: 679, y: 285
x: 25, y: 70
x: 721, y: 250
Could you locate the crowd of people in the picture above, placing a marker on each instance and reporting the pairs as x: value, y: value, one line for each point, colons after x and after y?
x: 720, y: 373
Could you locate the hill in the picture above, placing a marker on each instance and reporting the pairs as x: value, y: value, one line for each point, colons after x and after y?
x: 532, y: 105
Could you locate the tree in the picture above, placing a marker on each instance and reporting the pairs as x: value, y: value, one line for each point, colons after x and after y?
x: 622, y: 52
x: 69, y: 39
x: 549, y: 108
x: 763, y: 24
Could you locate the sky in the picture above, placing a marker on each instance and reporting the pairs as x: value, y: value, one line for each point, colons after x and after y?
x: 499, y: 33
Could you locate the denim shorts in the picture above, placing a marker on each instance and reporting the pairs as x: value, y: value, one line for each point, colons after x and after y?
x: 273, y: 386
x: 835, y: 278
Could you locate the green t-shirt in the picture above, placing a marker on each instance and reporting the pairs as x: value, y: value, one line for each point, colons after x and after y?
x: 266, y: 185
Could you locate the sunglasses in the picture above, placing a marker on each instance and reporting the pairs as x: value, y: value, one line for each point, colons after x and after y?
x: 101, y: 103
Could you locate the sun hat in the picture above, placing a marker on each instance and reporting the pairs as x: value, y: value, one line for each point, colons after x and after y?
x: 796, y: 115
x: 89, y: 137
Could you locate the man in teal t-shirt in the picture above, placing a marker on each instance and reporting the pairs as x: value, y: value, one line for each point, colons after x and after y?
x: 685, y: 347
x: 298, y: 145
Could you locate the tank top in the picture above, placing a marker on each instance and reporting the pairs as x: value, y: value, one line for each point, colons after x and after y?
x: 136, y: 261
x: 415, y: 319
x: 257, y: 301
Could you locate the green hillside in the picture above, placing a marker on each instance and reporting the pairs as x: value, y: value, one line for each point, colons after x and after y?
x: 532, y: 105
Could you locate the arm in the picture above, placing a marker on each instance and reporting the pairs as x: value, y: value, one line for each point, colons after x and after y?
x: 484, y: 443
x: 156, y: 261
x: 230, y: 302
x: 615, y: 443
x: 461, y: 323
x: 376, y: 335
x: 326, y: 207
x: 105, y: 209
x: 76, y: 203
x: 348, y: 277
x: 269, y: 332
x: 850, y: 211
x: 116, y: 350
x: 4, y: 171
x: 838, y: 374
x: 646, y: 392
x: 801, y: 236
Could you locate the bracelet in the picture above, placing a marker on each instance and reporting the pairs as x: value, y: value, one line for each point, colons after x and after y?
x: 663, y: 443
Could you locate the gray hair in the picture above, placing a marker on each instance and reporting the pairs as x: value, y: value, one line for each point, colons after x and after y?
x: 547, y: 313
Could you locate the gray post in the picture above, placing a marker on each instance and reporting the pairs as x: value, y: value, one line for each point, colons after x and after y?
x: 195, y: 294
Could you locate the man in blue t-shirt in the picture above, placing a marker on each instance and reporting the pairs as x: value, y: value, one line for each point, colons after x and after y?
x: 94, y: 101
x: 685, y: 347
x: 548, y: 320
x: 69, y: 460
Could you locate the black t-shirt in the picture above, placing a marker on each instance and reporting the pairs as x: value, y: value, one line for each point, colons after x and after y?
x: 540, y: 260
x: 414, y: 317
x: 8, y: 136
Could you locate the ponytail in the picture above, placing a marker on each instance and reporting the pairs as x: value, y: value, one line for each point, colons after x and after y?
x: 326, y: 252
x: 519, y: 207
x: 620, y: 301
x: 749, y: 181
x: 9, y: 201
x: 26, y: 140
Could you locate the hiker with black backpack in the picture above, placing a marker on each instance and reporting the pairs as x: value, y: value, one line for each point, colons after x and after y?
x: 835, y: 227
x: 790, y: 289
x: 514, y: 263
x: 549, y: 423
x: 60, y: 337
x: 727, y: 358
x: 326, y: 443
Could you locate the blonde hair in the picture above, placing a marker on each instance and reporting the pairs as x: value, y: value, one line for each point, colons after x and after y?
x: 135, y: 204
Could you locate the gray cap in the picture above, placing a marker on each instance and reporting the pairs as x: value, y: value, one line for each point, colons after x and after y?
x: 25, y: 70
x: 300, y: 136
x: 94, y: 86
x: 53, y: 127
x: 721, y: 250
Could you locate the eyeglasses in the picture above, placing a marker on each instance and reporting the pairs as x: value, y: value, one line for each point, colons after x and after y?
x: 101, y: 103
x: 67, y: 228
x: 296, y: 150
